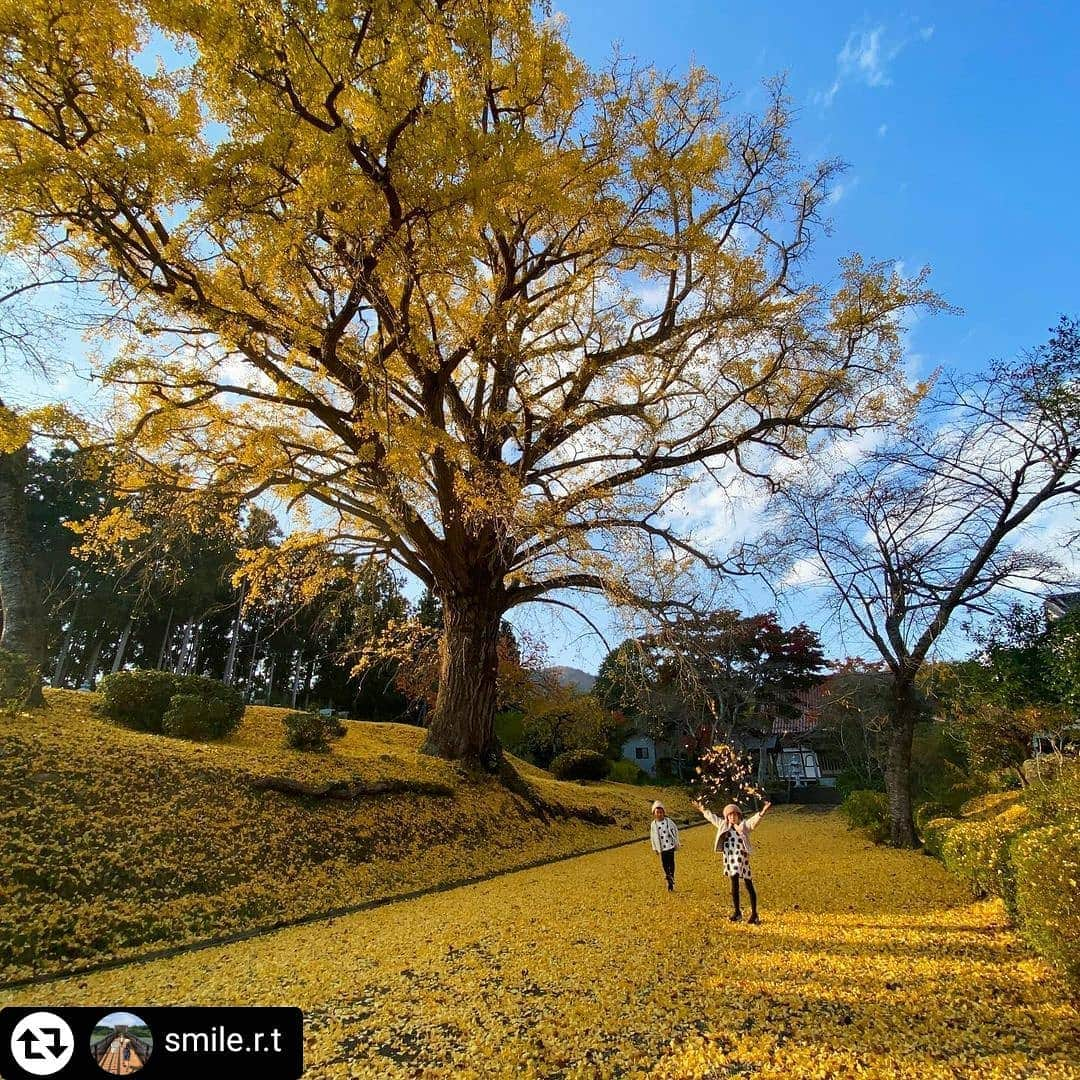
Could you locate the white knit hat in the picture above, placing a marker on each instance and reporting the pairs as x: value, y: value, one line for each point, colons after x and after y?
x: 658, y: 805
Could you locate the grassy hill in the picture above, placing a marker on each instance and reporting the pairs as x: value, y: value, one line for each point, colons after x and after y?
x: 116, y: 842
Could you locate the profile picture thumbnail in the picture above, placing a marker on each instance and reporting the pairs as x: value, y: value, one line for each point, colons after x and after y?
x: 121, y: 1043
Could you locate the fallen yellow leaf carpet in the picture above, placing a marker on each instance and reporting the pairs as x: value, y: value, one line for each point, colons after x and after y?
x: 868, y: 962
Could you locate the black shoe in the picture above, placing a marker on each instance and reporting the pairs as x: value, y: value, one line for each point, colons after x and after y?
x: 671, y: 886
x: 737, y: 917
x: 753, y: 920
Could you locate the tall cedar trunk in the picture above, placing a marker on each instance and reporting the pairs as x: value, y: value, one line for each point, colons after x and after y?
x: 92, y: 663
x: 121, y: 646
x: 898, y: 764
x: 463, y: 720
x: 24, y: 619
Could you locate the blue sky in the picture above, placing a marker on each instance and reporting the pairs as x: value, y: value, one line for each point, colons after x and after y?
x: 959, y: 126
x: 958, y: 122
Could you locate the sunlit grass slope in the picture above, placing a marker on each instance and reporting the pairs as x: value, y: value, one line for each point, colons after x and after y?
x: 115, y: 841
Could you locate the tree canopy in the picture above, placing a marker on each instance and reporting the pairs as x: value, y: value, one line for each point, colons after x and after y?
x: 469, y: 305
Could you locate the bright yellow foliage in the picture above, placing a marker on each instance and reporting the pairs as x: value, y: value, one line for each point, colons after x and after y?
x: 419, y: 269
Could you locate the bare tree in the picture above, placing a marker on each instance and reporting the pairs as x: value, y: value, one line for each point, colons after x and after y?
x: 932, y: 523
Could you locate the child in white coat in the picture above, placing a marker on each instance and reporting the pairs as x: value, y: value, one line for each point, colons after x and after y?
x: 664, y: 834
x: 733, y: 840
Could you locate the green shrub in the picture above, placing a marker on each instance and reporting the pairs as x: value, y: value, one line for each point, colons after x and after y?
x: 311, y: 731
x: 625, y: 772
x: 190, y: 716
x: 214, y: 690
x: 849, y: 780
x: 1046, y: 862
x: 580, y: 765
x: 1056, y: 797
x: 925, y: 812
x: 868, y: 810
x: 137, y: 699
x: 18, y: 677
x: 989, y: 805
x: 141, y: 699
x: 978, y: 851
x: 934, y: 832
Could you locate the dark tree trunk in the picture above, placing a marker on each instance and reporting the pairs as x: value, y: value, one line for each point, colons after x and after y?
x: 24, y: 620
x: 121, y: 646
x: 165, y: 642
x: 462, y: 724
x: 92, y: 663
x: 898, y: 764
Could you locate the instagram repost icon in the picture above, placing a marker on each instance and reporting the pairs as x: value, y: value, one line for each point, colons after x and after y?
x: 121, y: 1043
x: 42, y: 1043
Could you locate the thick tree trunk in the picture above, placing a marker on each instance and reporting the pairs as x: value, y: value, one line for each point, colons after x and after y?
x: 898, y: 765
x: 24, y: 619
x: 463, y: 721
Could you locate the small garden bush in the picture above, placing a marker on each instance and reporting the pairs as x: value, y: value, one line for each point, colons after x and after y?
x: 625, y: 772
x: 580, y: 765
x: 141, y: 699
x: 1047, y: 867
x: 190, y: 716
x: 311, y: 731
x: 17, y: 680
x: 867, y: 810
x: 137, y: 699
x: 214, y: 690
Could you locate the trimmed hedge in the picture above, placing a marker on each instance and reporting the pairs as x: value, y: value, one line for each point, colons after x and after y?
x: 1058, y: 797
x: 137, y: 699
x: 934, y: 832
x: 18, y: 677
x: 867, y: 810
x: 580, y: 765
x: 192, y: 717
x: 311, y: 731
x: 141, y: 699
x: 1047, y: 867
x: 1025, y: 849
x: 979, y: 852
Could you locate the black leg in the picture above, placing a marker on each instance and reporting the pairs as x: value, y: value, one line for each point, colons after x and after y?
x: 735, y: 897
x: 753, y: 899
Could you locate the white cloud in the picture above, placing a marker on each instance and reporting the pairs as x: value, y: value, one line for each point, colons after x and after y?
x: 866, y: 57
x: 881, y: 131
x: 841, y: 190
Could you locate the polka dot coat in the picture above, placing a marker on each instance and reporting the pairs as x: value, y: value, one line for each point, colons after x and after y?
x: 736, y: 860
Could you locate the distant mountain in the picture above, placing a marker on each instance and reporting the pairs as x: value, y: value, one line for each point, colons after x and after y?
x: 572, y: 676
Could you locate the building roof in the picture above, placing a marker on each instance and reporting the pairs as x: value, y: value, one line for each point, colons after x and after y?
x: 1061, y: 603
x: 809, y: 702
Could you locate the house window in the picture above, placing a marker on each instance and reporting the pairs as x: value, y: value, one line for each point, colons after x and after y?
x: 641, y: 752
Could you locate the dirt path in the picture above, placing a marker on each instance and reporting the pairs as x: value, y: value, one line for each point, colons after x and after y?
x: 867, y: 962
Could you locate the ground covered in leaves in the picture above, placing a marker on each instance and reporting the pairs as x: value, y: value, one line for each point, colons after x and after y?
x: 113, y: 842
x: 868, y: 962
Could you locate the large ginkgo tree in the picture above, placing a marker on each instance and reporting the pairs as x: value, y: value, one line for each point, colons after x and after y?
x: 467, y: 303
